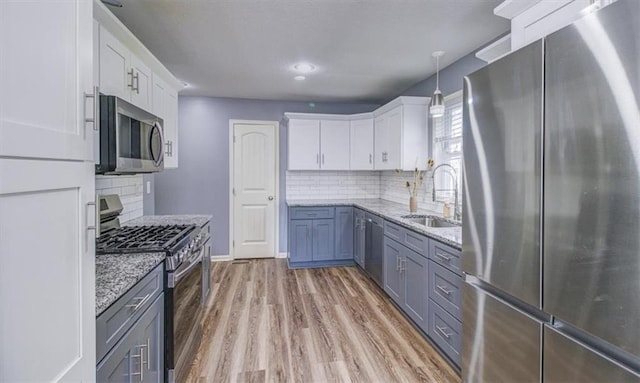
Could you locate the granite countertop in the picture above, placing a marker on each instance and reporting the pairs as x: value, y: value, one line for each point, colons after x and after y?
x: 157, y: 220
x: 117, y: 273
x: 393, y: 211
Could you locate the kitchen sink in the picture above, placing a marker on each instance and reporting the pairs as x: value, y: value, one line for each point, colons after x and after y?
x: 430, y: 221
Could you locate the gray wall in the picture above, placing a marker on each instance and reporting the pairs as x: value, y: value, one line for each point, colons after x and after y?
x: 201, y: 183
x: 450, y: 78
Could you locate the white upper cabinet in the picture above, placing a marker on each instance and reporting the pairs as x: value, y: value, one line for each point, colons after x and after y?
x: 128, y: 70
x: 361, y: 144
x: 142, y: 84
x: 401, y: 135
x: 334, y: 145
x: 171, y: 130
x: 388, y: 137
x: 392, y: 137
x: 304, y: 144
x: 114, y: 66
x: 47, y: 201
x: 533, y: 19
x: 45, y: 71
x: 123, y: 74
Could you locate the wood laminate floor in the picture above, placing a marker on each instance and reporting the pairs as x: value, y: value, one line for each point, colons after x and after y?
x: 265, y: 323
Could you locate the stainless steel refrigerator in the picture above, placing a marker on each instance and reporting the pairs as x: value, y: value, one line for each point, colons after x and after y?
x: 551, y: 233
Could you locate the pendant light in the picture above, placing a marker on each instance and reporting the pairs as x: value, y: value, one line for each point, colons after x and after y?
x: 436, y: 106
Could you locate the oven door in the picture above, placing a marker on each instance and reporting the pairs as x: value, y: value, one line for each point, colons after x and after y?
x: 186, y: 314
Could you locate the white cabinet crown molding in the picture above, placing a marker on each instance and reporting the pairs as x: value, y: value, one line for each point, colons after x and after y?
x: 402, y: 100
x: 109, y: 21
x: 496, y: 49
x: 509, y: 9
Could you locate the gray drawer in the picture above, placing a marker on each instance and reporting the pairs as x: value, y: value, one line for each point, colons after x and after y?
x: 414, y: 241
x: 446, y: 256
x: 393, y: 231
x: 445, y: 288
x: 312, y: 212
x: 112, y: 324
x: 446, y: 331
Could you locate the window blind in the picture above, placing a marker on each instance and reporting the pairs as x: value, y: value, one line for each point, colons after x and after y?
x: 447, y: 147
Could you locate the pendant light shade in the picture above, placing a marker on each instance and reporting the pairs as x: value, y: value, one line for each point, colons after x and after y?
x: 436, y: 106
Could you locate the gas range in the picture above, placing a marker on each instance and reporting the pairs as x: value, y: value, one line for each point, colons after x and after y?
x: 175, y: 240
x: 185, y: 248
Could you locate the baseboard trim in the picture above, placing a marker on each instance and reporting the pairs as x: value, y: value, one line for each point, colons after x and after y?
x: 221, y: 258
x: 282, y: 255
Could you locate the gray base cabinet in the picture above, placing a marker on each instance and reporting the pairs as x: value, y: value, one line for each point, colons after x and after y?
x: 139, y: 355
x: 321, y: 236
x: 344, y: 233
x: 359, y: 237
x: 422, y: 276
x: 405, y: 280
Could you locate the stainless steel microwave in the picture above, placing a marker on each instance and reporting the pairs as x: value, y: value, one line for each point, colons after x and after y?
x: 131, y: 139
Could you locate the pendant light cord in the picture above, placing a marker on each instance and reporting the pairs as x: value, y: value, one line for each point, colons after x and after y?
x: 437, y: 72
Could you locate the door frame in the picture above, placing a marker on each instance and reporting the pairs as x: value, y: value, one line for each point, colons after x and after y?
x: 276, y: 126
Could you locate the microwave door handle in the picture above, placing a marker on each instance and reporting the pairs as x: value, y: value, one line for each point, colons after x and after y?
x: 161, y: 134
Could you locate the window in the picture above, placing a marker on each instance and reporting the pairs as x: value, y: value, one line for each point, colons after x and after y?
x: 447, y: 148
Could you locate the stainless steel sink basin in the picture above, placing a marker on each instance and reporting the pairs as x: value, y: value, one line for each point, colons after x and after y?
x: 430, y: 221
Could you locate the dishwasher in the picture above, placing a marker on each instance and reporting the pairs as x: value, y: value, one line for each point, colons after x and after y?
x: 373, y: 261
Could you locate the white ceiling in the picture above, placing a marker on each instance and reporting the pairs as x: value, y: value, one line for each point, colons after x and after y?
x: 365, y: 50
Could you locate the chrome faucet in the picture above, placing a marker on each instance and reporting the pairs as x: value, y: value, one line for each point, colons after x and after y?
x: 452, y: 172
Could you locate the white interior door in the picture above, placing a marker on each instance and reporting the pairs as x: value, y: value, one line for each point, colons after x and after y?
x: 334, y: 145
x: 254, y: 202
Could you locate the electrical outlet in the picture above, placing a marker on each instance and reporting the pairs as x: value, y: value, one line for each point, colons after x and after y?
x: 148, y: 187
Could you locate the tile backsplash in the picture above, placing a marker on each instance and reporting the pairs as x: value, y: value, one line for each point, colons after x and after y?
x: 387, y: 185
x: 129, y: 188
x: 332, y: 185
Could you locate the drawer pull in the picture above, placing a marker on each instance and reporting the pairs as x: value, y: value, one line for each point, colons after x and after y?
x: 442, y: 256
x: 141, y: 302
x: 443, y: 332
x: 142, y: 347
x: 443, y: 289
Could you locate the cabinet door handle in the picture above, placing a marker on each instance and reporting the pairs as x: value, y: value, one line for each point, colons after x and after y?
x: 443, y: 257
x: 398, y: 264
x: 130, y: 74
x: 95, y: 98
x: 370, y: 158
x: 141, y: 302
x: 443, y: 332
x: 403, y: 263
x: 322, y: 158
x: 443, y: 289
x: 318, y: 158
x: 136, y: 77
x: 96, y: 214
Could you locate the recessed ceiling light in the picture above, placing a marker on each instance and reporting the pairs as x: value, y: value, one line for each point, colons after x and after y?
x: 304, y: 67
x: 299, y: 78
x: 185, y: 84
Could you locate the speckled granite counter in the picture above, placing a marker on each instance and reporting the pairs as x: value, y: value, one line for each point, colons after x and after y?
x: 117, y: 273
x: 393, y: 211
x: 156, y: 220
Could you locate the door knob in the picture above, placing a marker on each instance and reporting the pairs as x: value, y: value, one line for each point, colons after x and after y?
x: 270, y: 198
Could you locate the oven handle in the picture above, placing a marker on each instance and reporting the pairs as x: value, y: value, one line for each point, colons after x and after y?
x: 181, y: 274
